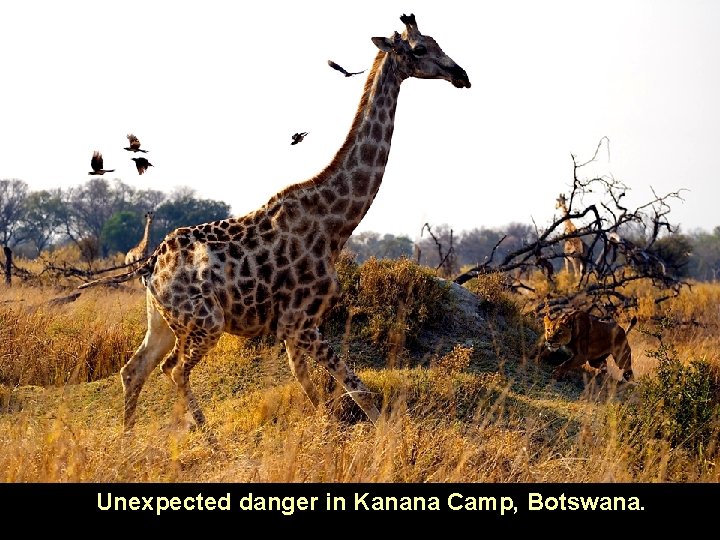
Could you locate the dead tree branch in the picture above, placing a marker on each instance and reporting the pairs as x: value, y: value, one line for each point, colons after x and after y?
x: 447, y: 258
x: 604, y: 223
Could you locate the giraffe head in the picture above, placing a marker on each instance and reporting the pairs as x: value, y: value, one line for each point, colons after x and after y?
x: 149, y: 216
x: 561, y: 202
x: 420, y: 56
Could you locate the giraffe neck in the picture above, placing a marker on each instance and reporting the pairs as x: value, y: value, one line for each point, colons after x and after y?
x: 337, y: 199
x: 142, y: 246
x: 569, y: 227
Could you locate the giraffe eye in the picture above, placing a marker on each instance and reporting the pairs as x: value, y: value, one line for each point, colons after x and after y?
x: 419, y: 50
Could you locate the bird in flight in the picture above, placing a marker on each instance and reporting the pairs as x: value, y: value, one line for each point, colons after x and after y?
x: 97, y: 164
x: 298, y: 137
x: 342, y: 69
x: 142, y: 164
x: 134, y: 144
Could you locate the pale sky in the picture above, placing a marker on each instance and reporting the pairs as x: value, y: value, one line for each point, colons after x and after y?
x: 215, y: 90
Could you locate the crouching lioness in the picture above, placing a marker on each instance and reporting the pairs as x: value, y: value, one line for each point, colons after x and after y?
x: 587, y: 338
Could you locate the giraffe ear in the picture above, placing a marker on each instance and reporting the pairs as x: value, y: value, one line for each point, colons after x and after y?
x: 383, y: 43
x: 390, y: 44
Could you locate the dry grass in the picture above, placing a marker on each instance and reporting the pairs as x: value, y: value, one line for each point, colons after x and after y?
x: 476, y: 410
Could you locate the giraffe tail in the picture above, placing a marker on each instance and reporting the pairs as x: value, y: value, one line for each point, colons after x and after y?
x: 144, y: 270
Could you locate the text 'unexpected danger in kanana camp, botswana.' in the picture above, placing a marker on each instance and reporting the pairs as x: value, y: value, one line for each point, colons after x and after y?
x: 366, y: 501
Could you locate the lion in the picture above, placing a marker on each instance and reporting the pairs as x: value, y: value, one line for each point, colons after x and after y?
x: 589, y: 341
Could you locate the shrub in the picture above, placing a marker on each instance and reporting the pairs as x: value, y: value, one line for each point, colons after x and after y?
x: 390, y: 301
x: 493, y: 290
x: 679, y: 405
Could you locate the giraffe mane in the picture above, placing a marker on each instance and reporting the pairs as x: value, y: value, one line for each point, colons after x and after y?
x: 349, y: 139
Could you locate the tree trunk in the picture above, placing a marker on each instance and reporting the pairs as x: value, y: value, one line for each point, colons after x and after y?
x: 8, y: 264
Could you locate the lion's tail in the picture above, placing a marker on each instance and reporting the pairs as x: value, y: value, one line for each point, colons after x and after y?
x: 143, y: 271
x: 633, y: 322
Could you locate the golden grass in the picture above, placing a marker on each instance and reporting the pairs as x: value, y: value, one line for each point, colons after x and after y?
x: 478, y: 411
x: 89, y: 338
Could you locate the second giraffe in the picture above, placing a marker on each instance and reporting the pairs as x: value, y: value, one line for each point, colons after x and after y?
x: 576, y: 251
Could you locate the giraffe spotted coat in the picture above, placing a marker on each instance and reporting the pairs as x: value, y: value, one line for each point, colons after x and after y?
x: 272, y: 271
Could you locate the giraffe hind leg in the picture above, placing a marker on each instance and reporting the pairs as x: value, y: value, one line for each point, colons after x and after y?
x: 172, y: 359
x: 159, y: 339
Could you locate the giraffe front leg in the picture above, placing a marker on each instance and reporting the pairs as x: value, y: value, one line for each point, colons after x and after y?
x: 311, y: 342
x: 298, y: 367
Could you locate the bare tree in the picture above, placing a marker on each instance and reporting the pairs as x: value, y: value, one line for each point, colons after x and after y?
x: 612, y: 260
x: 443, y: 241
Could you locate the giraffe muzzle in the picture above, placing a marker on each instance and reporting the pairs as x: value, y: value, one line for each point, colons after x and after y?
x: 460, y: 78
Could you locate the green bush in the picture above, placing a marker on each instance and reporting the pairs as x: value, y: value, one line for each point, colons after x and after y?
x: 679, y: 405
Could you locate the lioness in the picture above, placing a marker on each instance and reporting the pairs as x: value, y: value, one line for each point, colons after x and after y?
x: 588, y: 339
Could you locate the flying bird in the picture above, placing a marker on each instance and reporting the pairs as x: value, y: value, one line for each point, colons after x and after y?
x: 142, y: 164
x: 97, y: 164
x: 298, y: 137
x: 342, y: 69
x: 134, y: 144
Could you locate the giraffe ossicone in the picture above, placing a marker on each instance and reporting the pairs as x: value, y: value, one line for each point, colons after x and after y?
x: 272, y: 270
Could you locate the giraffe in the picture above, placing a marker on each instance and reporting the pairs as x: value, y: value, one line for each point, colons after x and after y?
x: 272, y: 270
x: 576, y: 251
x: 141, y: 250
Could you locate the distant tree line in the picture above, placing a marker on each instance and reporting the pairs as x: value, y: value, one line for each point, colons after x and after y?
x: 100, y: 216
x: 468, y: 247
x: 105, y: 216
x: 687, y: 255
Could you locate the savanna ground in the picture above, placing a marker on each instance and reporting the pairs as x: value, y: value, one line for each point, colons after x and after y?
x: 464, y: 399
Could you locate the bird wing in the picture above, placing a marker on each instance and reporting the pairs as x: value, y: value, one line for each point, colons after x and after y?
x: 134, y: 141
x: 343, y: 70
x: 338, y: 67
